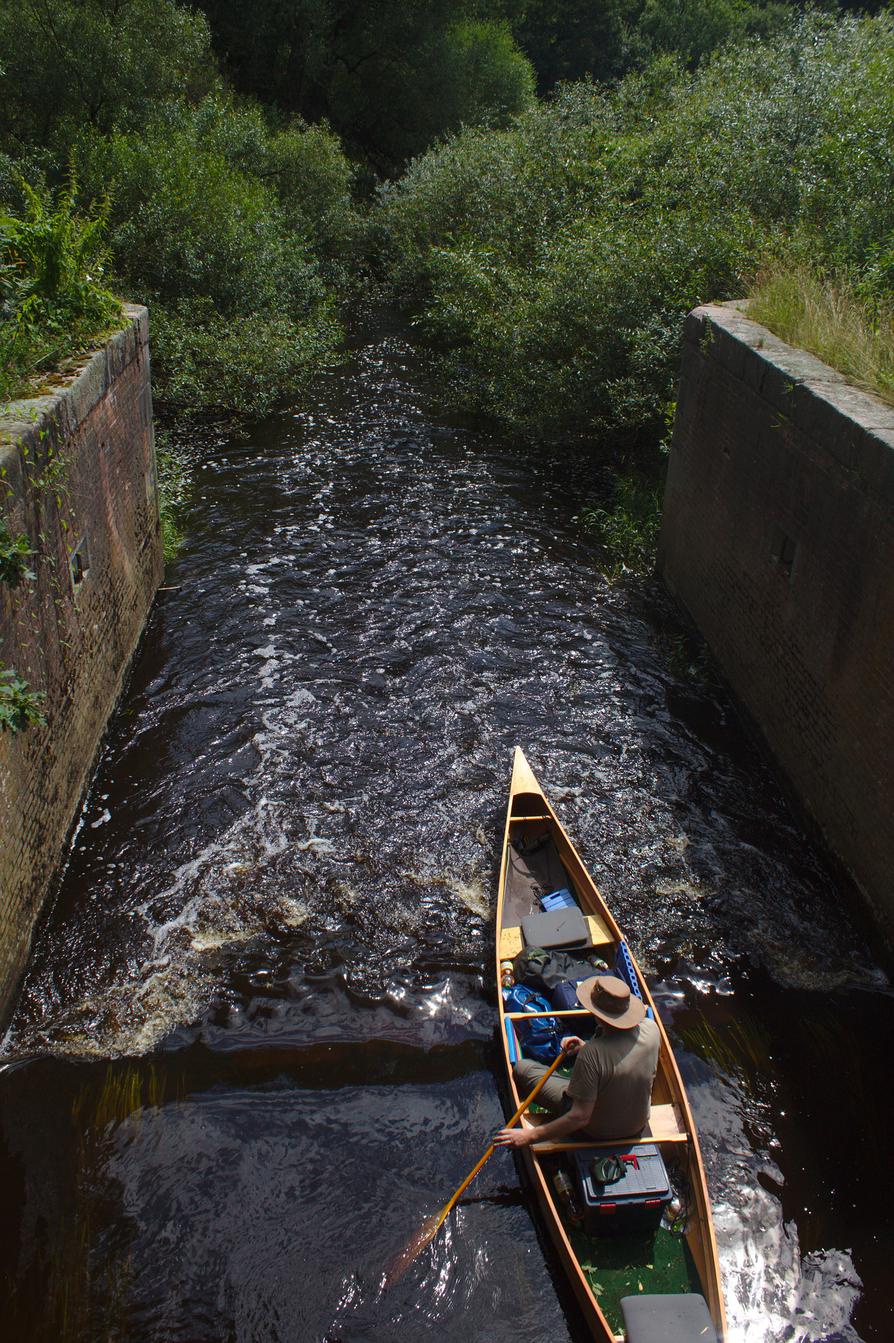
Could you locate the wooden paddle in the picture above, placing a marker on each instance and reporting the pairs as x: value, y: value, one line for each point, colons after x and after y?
x: 432, y: 1225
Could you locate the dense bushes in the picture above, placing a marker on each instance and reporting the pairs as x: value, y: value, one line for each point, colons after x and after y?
x: 391, y: 77
x: 604, y: 39
x: 212, y: 228
x: 103, y: 63
x: 553, y: 261
x: 550, y: 249
x: 235, y: 229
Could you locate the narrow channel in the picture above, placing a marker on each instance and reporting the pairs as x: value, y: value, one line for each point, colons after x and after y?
x: 254, y: 1046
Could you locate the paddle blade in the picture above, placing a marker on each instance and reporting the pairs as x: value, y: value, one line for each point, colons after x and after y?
x: 413, y: 1248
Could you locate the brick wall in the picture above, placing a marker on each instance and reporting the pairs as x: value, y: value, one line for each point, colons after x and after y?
x: 778, y: 537
x: 78, y: 475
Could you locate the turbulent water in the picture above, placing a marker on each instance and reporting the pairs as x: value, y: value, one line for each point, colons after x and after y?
x: 254, y: 1047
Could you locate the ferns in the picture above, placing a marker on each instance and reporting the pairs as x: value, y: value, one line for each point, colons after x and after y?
x: 52, y: 296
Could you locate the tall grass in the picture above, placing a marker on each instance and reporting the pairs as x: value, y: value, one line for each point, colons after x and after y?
x: 825, y: 315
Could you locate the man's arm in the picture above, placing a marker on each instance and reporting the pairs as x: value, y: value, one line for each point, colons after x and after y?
x: 577, y: 1117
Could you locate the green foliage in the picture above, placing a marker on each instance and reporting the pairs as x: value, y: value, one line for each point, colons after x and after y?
x: 604, y: 39
x: 827, y: 315
x: 235, y: 230
x: 313, y: 180
x: 213, y: 228
x: 573, y: 39
x: 52, y: 296
x: 106, y: 63
x: 242, y: 363
x: 695, y: 28
x: 484, y: 80
x: 553, y: 261
x: 15, y: 552
x: 173, y: 492
x: 391, y: 77
x: 19, y: 706
x: 627, y: 530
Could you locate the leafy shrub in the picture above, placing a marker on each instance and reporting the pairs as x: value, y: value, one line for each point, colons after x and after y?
x: 553, y: 261
x: 484, y: 78
x: 173, y: 491
x: 313, y: 180
x: 242, y: 363
x: 627, y: 530
x: 695, y: 28
x: 211, y: 227
x: 104, y: 63
x: 391, y: 77
x: 19, y: 706
x: 15, y: 552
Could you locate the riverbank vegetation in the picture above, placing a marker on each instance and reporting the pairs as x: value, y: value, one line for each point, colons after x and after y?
x: 570, y: 245
x: 546, y: 188
x: 53, y: 299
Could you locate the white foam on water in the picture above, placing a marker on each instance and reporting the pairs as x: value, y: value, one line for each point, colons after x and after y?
x: 773, y: 1293
x: 215, y: 900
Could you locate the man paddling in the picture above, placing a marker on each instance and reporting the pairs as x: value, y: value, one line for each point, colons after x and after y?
x: 610, y: 1089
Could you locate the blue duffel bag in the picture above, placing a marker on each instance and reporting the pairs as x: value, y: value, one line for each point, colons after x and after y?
x: 564, y: 996
x: 540, y: 1038
x: 522, y: 999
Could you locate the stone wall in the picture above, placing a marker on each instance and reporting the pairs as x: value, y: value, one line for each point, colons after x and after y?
x: 778, y: 537
x: 77, y: 475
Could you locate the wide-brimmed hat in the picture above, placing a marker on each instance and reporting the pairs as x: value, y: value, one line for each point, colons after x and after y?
x: 609, y: 999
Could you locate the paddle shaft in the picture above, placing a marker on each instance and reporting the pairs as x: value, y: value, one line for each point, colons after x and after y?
x: 490, y: 1151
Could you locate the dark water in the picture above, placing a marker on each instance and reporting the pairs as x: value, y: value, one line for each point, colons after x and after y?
x: 255, y: 1043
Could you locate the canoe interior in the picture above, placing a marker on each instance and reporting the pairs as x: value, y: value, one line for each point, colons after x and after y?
x: 538, y: 858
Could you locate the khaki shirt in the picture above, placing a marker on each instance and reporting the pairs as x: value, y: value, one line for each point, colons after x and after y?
x: 616, y: 1069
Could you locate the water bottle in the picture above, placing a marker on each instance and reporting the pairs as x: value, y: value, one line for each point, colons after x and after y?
x: 567, y: 1198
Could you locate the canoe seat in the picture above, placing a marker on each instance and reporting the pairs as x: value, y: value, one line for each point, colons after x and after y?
x: 663, y: 1126
x: 511, y: 940
x: 667, y: 1319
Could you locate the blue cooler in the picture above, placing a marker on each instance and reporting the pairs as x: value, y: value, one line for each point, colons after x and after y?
x: 562, y: 899
x: 635, y: 1202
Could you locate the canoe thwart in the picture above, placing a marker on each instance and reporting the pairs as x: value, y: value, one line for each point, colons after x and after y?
x: 663, y: 1126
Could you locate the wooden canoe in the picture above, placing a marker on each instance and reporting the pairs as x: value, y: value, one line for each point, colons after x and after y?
x: 591, y: 1263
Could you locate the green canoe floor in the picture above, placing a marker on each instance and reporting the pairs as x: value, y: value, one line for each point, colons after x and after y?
x: 617, y: 1266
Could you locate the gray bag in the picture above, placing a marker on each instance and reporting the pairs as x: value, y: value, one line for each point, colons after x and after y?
x: 560, y: 928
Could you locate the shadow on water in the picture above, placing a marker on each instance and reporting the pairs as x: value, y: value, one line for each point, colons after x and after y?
x: 254, y: 1051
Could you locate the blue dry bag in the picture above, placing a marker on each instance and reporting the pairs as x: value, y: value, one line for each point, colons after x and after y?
x: 540, y: 1038
x: 522, y: 999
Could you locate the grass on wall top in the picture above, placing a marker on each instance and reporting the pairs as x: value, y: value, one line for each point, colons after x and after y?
x: 828, y: 317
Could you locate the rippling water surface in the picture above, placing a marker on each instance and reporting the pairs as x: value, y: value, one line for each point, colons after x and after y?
x: 255, y: 1042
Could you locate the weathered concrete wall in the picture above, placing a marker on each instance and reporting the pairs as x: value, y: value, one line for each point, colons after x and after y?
x: 78, y: 474
x: 778, y: 536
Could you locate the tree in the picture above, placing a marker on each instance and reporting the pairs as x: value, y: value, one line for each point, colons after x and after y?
x: 391, y: 77
x: 64, y: 63
x: 573, y: 39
